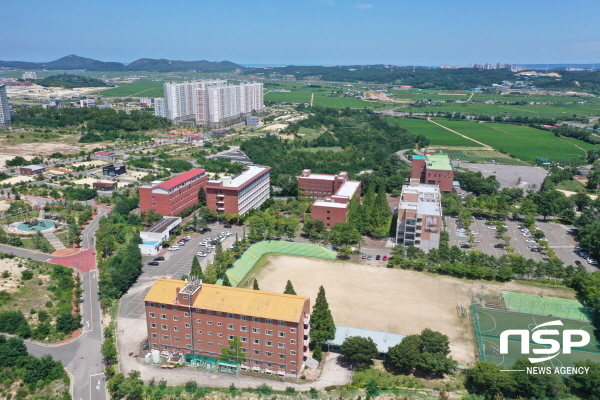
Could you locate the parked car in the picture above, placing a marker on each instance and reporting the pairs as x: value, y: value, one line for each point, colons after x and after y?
x: 227, y: 226
x: 465, y: 246
x: 492, y: 227
x: 577, y: 262
x: 378, y: 257
x: 364, y: 257
x: 173, y: 248
x: 159, y: 259
x: 154, y: 263
x: 369, y: 257
x: 385, y: 258
x: 499, y: 246
x: 206, y: 230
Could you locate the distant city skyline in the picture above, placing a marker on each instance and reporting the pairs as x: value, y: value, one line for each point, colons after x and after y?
x: 315, y: 32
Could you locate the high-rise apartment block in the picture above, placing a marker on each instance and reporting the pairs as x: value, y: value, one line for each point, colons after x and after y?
x: 434, y: 169
x: 201, y: 319
x: 333, y: 194
x: 240, y: 194
x: 213, y: 103
x: 174, y: 195
x: 419, y: 216
x: 4, y: 107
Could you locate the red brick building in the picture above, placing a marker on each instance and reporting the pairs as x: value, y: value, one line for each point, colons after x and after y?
x: 433, y: 169
x: 173, y: 196
x: 32, y: 170
x: 240, y: 194
x: 333, y: 194
x: 201, y: 319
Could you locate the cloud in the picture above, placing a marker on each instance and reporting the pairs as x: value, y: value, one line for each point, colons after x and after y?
x: 364, y: 6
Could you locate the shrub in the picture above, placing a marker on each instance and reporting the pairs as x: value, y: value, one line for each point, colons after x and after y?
x: 265, y: 389
x: 27, y: 275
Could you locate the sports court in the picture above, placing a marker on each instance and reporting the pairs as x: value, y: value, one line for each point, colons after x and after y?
x: 550, y: 306
x: 491, y: 322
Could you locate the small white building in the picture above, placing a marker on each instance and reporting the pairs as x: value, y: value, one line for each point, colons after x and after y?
x: 161, y: 230
x: 150, y: 248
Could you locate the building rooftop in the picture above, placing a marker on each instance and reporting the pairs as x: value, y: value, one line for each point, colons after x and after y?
x: 424, y: 199
x: 348, y: 189
x: 163, y: 225
x: 250, y: 172
x: 324, y: 203
x: 104, y: 153
x: 439, y: 161
x: 325, y: 177
x: 151, y: 243
x: 34, y: 167
x: 179, y: 179
x: 256, y: 303
x: 383, y: 340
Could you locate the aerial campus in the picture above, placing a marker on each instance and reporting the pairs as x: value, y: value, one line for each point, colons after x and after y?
x: 188, y: 229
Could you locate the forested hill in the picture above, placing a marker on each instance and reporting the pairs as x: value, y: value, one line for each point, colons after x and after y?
x: 73, y: 62
x: 352, y: 140
x: 420, y: 77
x: 70, y: 81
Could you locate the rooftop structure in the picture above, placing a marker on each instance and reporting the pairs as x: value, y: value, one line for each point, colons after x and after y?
x: 161, y: 230
x: 433, y: 169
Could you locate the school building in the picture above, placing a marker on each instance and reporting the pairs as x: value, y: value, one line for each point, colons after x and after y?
x: 433, y: 169
x: 174, y: 195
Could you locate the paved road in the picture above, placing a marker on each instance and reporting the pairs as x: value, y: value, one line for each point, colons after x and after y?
x: 34, y: 255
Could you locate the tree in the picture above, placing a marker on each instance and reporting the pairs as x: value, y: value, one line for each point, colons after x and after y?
x: 359, y: 350
x: 322, y: 327
x: 202, y: 197
x: 345, y: 252
x: 486, y: 379
x: 289, y: 289
x: 314, y: 229
x: 537, y: 386
x: 150, y: 217
x: 586, y: 386
x: 318, y: 352
x: 196, y: 270
x: 226, y: 280
x: 255, y: 285
x: 235, y: 352
x: 343, y: 234
x: 66, y: 323
x: 427, y: 352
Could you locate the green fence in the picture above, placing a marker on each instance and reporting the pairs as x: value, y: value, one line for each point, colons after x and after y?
x: 242, y: 267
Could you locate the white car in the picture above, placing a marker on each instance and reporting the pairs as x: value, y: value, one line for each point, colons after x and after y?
x: 530, y: 241
x: 201, y: 254
x: 210, y: 246
x: 492, y: 227
x: 173, y: 248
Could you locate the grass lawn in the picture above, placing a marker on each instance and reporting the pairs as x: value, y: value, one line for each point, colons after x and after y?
x: 438, y: 135
x: 522, y: 142
x: 572, y: 186
x: 136, y: 89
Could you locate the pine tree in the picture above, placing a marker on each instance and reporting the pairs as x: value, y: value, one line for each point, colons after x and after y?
x: 318, y: 352
x: 322, y: 327
x: 226, y: 281
x: 289, y: 289
x: 202, y: 197
x: 196, y: 269
x: 255, y: 285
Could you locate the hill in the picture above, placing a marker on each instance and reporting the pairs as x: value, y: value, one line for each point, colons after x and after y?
x: 71, y: 81
x: 73, y: 62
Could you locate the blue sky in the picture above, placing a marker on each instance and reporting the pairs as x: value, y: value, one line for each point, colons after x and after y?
x: 305, y: 32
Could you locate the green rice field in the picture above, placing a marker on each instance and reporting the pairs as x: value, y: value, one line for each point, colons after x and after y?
x: 436, y: 134
x: 522, y: 142
x: 320, y: 99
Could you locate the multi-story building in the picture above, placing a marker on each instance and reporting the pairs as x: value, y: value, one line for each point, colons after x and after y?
x: 433, y: 169
x: 211, y: 103
x: 419, y: 216
x: 201, y: 319
x: 4, y: 107
x: 333, y: 194
x: 173, y: 196
x: 239, y: 194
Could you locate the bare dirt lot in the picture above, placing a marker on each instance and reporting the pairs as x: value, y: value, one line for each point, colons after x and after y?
x: 388, y: 300
x: 18, y: 179
x: 30, y: 150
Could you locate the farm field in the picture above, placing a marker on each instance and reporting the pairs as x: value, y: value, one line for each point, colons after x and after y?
x: 136, y: 89
x: 522, y: 142
x: 438, y: 135
x: 581, y: 143
x: 320, y: 99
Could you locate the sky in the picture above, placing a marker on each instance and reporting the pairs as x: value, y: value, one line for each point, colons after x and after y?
x: 304, y: 32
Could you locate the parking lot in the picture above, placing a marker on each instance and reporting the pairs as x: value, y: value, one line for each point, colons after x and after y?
x: 560, y: 238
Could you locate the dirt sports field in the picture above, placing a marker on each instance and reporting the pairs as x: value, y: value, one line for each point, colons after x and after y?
x: 388, y: 300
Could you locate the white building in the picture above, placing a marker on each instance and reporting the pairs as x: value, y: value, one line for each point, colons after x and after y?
x: 419, y: 216
x: 4, y: 107
x: 210, y: 102
x: 161, y: 230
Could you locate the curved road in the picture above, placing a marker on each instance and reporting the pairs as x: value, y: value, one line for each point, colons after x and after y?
x: 82, y: 355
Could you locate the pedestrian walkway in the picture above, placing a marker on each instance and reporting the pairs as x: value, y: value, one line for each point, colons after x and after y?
x: 57, y: 244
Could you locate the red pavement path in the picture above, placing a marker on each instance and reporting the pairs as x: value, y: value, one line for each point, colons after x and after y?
x: 85, y: 260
